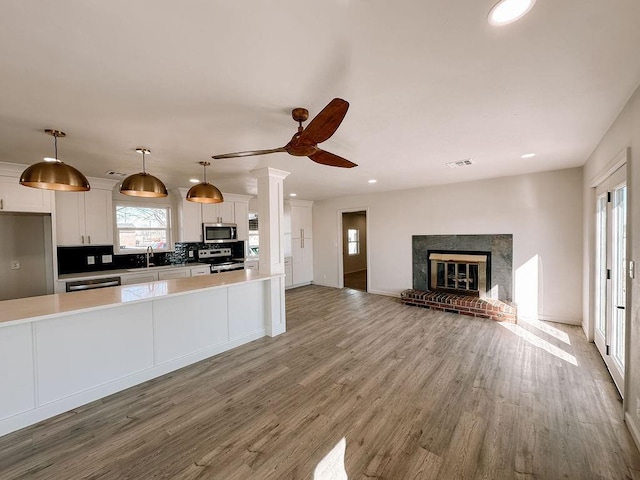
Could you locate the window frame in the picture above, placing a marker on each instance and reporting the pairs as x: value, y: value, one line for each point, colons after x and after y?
x: 355, y: 242
x: 132, y: 251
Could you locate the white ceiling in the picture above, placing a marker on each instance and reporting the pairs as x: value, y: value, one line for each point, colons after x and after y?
x: 429, y: 82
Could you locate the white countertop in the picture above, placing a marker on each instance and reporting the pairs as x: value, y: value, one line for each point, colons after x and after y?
x: 49, y: 306
x: 70, y: 277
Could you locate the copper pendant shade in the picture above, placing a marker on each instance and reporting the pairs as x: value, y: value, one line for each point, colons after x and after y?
x: 54, y: 175
x: 143, y: 184
x: 204, y: 192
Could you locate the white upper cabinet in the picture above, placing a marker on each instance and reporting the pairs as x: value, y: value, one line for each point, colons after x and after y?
x: 219, y: 212
x: 189, y: 218
x: 18, y: 198
x: 191, y: 215
x: 85, y: 218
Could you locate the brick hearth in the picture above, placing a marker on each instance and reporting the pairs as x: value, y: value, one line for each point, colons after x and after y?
x: 463, y: 305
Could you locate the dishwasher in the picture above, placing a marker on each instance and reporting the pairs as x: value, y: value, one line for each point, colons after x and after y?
x: 91, y: 284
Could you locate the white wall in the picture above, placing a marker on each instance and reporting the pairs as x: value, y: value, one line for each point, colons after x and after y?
x: 623, y: 134
x: 543, y: 211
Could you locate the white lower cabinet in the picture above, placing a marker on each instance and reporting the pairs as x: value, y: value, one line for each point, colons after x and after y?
x: 174, y: 273
x: 252, y: 265
x: 132, y: 278
x: 288, y: 272
x: 200, y: 270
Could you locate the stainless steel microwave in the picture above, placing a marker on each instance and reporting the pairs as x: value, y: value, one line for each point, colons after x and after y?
x: 219, y: 232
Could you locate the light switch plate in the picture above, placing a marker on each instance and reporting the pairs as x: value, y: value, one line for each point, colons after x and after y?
x: 91, y: 260
x: 632, y: 269
x: 107, y: 258
x: 190, y: 253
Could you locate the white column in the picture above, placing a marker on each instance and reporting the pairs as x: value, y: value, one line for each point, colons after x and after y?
x: 271, y: 221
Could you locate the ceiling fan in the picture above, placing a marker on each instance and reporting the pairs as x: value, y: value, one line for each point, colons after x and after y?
x: 305, y: 142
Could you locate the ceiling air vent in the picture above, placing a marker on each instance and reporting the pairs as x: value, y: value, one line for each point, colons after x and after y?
x: 460, y: 163
x: 116, y: 174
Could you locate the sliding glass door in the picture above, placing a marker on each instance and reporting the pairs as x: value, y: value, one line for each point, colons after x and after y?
x: 611, y: 273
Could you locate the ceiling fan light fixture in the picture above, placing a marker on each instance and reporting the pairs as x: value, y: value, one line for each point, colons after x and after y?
x: 52, y: 174
x: 204, y: 192
x: 507, y: 11
x: 143, y: 184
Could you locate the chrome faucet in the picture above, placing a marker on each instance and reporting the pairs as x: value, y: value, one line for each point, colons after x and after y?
x: 149, y: 255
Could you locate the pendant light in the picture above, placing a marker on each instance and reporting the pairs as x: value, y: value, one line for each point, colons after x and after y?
x: 204, y: 192
x: 52, y: 174
x: 143, y: 184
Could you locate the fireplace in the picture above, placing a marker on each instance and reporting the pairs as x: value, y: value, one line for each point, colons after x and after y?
x: 463, y: 273
x: 450, y: 270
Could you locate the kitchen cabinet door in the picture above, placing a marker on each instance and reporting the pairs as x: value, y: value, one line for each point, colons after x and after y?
x: 219, y: 212
x: 174, y: 273
x: 301, y: 222
x: 98, y: 217
x: 18, y: 198
x: 241, y: 215
x: 200, y: 270
x: 189, y: 221
x: 84, y: 218
x: 133, y: 278
x: 288, y: 272
x: 302, y: 261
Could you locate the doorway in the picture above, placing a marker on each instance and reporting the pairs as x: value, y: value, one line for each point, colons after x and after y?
x: 354, y: 250
x: 611, y: 274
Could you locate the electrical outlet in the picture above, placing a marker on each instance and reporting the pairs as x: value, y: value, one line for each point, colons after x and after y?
x: 15, y: 264
x: 91, y: 260
x: 107, y: 258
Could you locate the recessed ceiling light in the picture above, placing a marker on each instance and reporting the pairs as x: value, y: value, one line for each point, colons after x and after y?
x: 528, y: 155
x: 507, y: 11
x: 373, y: 180
x: 293, y: 194
x: 194, y: 180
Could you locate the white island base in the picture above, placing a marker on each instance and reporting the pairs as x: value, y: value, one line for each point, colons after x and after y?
x: 55, y: 356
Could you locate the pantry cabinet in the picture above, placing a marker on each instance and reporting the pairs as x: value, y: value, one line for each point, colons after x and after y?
x: 300, y: 227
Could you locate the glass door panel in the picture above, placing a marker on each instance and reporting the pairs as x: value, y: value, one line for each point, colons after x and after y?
x: 619, y: 293
x: 610, y: 273
x: 601, y: 267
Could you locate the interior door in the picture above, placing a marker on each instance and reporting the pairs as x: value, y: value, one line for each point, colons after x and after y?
x: 610, y: 269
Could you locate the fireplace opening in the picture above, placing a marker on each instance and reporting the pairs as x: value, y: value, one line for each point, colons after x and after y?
x: 465, y: 273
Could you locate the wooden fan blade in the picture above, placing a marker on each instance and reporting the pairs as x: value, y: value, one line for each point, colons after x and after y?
x: 325, y: 123
x: 326, y: 158
x: 249, y: 153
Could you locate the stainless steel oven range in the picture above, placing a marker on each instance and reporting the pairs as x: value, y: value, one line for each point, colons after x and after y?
x: 220, y: 259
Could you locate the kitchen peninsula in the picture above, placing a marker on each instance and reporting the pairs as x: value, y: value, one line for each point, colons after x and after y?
x: 60, y: 351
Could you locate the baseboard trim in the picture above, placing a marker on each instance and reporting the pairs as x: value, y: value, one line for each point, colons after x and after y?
x: 386, y: 293
x: 633, y: 429
x: 551, y: 318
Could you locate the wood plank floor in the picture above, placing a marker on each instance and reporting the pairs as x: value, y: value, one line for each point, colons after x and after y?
x: 360, y: 385
x: 357, y: 280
